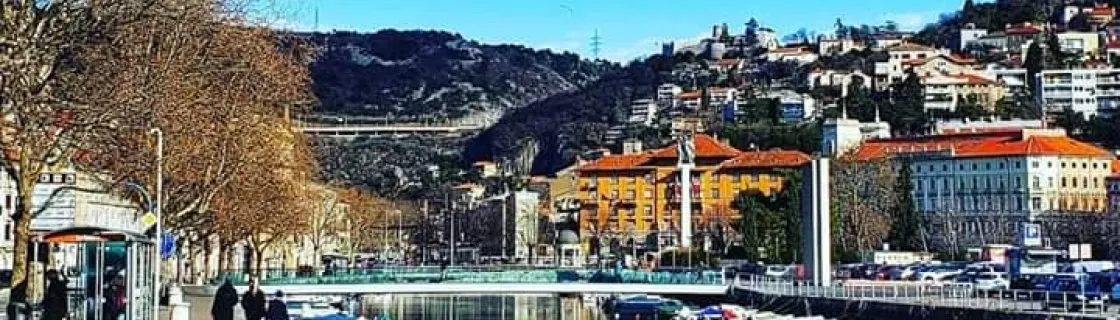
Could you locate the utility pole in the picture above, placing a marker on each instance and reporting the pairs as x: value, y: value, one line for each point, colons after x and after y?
x: 424, y: 234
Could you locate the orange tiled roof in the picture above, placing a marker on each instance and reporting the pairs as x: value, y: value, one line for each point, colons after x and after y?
x: 617, y: 162
x: 1116, y: 167
x: 728, y: 62
x: 706, y: 147
x: 981, y: 145
x: 950, y: 57
x: 907, y: 46
x: 1033, y: 145
x: 1023, y: 29
x: 790, y: 50
x: 1102, y: 10
x: 767, y: 159
x: 690, y: 95
x: 973, y: 79
x: 875, y: 149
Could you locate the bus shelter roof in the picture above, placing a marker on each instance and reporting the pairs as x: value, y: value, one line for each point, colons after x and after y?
x: 92, y: 234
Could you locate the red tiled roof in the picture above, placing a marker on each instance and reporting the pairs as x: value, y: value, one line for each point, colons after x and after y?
x: 907, y: 46
x: 790, y: 50
x: 974, y: 79
x: 1033, y: 145
x: 981, y: 145
x: 874, y: 149
x: 1023, y: 29
x: 706, y: 147
x: 1116, y: 167
x: 728, y: 62
x: 1102, y: 10
x: 768, y: 159
x: 950, y: 57
x: 617, y: 162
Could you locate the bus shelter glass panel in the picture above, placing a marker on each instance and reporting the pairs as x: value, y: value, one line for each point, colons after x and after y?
x: 115, y: 277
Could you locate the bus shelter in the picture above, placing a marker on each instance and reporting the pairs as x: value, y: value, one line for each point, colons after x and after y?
x: 116, y: 274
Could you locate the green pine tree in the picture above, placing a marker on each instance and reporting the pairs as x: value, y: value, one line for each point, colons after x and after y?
x: 906, y: 232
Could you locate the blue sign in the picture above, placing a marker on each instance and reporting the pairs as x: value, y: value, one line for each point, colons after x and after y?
x: 729, y: 111
x: 1032, y: 235
x: 167, y: 245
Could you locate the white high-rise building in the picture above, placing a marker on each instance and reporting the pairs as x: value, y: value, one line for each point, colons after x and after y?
x: 842, y: 135
x: 1089, y: 91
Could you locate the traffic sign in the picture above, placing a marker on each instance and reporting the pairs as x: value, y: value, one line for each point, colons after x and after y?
x: 167, y: 245
x: 1032, y: 235
x: 149, y: 219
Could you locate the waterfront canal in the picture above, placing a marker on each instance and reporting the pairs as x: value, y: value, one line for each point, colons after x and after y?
x: 478, y: 307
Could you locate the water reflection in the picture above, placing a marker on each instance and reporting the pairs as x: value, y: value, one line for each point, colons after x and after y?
x: 478, y: 307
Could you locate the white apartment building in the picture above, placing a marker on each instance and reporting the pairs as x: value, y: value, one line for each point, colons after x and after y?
x: 839, y: 136
x: 968, y: 34
x: 894, y: 70
x: 666, y: 92
x: 944, y: 91
x: 942, y: 127
x: 643, y: 112
x: 795, y: 107
x: 1089, y: 91
x: 1024, y: 173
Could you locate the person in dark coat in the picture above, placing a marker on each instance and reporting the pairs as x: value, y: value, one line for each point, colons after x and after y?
x: 55, y: 301
x: 253, y: 302
x: 277, y: 309
x: 224, y: 301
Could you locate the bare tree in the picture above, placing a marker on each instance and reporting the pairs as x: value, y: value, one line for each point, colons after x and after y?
x: 863, y: 195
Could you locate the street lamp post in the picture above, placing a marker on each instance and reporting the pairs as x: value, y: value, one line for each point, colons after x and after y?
x: 159, y: 220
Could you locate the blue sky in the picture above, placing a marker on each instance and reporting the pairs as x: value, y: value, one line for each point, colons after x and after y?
x: 628, y: 28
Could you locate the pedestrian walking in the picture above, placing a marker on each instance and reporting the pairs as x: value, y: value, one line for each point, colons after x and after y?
x: 224, y: 301
x: 277, y: 308
x: 55, y: 302
x: 253, y: 301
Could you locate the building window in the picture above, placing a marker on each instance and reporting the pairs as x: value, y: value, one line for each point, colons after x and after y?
x: 1063, y: 182
x: 716, y: 177
x: 1084, y: 182
x: 945, y: 167
x: 647, y: 193
x: 988, y: 166
x: 1096, y: 183
x: 1018, y: 164
x: 630, y: 194
x: 960, y: 167
x: 1034, y: 164
x: 648, y: 212
x: 974, y: 166
x: 738, y: 177
x: 1018, y: 182
x: 614, y: 178
x: 715, y: 193
x: 1051, y: 185
x: 1063, y: 164
x: 1084, y: 165
x: 1036, y: 203
x: 614, y: 194
x: 1049, y: 164
x: 1001, y: 165
x: 754, y: 177
x: 918, y: 169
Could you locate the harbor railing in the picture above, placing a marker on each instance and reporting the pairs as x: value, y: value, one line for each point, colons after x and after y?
x: 936, y: 294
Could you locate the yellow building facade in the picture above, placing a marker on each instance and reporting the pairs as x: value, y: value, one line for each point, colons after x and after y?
x: 634, y: 194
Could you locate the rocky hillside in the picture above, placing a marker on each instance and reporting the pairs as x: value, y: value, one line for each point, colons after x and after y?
x: 434, y: 75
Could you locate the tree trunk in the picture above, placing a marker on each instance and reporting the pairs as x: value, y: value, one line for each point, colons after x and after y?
x: 21, y: 242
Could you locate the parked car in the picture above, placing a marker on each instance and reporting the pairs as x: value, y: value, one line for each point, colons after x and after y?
x: 779, y: 271
x: 987, y: 282
x: 1075, y: 291
x: 905, y: 272
x: 941, y: 272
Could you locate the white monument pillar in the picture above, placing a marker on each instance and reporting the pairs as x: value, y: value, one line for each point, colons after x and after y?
x: 686, y: 205
x: 816, y: 235
x: 686, y: 151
